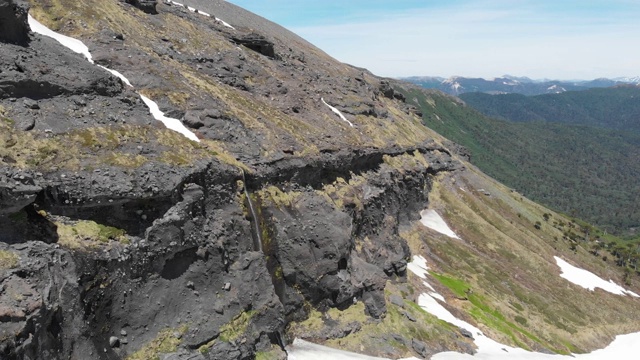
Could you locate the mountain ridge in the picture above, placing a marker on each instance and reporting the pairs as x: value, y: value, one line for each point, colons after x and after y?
x: 457, y: 85
x: 121, y: 238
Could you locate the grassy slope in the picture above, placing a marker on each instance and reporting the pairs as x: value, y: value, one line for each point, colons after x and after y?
x: 501, y: 276
x: 516, y: 292
x: 583, y: 171
x: 185, y: 86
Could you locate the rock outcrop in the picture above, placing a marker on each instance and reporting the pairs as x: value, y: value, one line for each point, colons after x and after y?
x: 148, y: 6
x: 13, y: 21
x: 258, y: 43
x: 121, y: 238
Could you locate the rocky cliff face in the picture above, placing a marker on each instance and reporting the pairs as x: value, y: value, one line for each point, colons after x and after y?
x: 123, y: 239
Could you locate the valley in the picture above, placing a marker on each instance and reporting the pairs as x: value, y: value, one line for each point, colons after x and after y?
x: 194, y: 182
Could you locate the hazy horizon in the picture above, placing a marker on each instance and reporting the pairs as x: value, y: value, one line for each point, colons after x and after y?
x: 487, y: 39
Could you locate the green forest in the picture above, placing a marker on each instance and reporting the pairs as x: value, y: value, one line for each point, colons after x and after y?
x: 584, y: 171
x: 611, y: 108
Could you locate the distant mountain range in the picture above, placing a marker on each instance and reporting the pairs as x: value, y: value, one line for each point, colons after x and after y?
x: 507, y: 84
x: 576, y: 152
x: 614, y: 108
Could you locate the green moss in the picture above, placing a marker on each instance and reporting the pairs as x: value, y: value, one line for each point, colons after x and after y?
x: 406, y: 162
x: 458, y: 287
x: 8, y: 259
x: 280, y: 199
x: 86, y: 233
x: 125, y: 160
x: 166, y: 342
x: 273, y: 354
x: 517, y: 306
x: 483, y: 313
x: 520, y: 320
x: 237, y: 327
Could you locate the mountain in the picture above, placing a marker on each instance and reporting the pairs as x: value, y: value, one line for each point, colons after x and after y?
x: 615, y: 108
x: 512, y: 85
x: 588, y: 171
x: 196, y: 182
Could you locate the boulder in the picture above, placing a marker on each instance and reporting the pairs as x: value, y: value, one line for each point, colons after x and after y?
x: 258, y: 43
x: 14, y: 27
x: 421, y: 348
x: 148, y: 6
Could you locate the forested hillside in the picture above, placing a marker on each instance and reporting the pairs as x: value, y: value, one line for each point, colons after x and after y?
x: 584, y: 171
x: 611, y: 108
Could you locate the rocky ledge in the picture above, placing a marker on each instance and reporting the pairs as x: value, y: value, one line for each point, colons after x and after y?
x: 120, y: 239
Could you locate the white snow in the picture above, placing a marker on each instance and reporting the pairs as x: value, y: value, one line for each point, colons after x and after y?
x: 337, y: 112
x: 589, y: 280
x: 419, y: 266
x: 69, y: 42
x: 437, y: 296
x: 170, y: 123
x: 224, y: 23
x: 119, y: 75
x: 433, y: 220
x: 79, y: 47
x: 624, y: 347
x: 304, y: 350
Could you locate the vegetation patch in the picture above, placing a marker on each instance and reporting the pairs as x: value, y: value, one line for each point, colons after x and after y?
x: 396, y: 329
x: 86, y: 233
x: 406, y: 162
x: 272, y: 195
x: 483, y: 313
x: 345, y: 194
x: 8, y: 259
x: 91, y: 147
x: 166, y: 342
x: 273, y: 354
x: 237, y: 327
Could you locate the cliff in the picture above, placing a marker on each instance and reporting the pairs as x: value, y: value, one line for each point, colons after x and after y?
x: 299, y: 194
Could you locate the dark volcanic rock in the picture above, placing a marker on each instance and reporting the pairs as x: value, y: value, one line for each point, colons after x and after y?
x: 13, y: 21
x: 258, y: 43
x: 148, y: 6
x: 421, y: 348
x: 190, y: 266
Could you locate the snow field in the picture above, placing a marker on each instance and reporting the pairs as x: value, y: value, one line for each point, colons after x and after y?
x: 589, y: 280
x: 431, y: 219
x: 624, y: 347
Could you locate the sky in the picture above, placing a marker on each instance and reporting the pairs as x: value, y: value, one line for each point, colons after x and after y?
x: 558, y: 39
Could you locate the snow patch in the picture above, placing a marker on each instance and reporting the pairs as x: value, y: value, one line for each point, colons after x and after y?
x: 304, y: 350
x: 589, y: 280
x: 79, y: 47
x: 418, y: 266
x: 337, y: 112
x: 624, y: 347
x: 437, y: 296
x: 73, y: 44
x: 170, y: 123
x: 224, y: 23
x: 119, y: 75
x: 433, y: 220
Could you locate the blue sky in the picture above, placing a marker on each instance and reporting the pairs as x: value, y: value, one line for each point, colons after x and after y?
x: 561, y: 39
